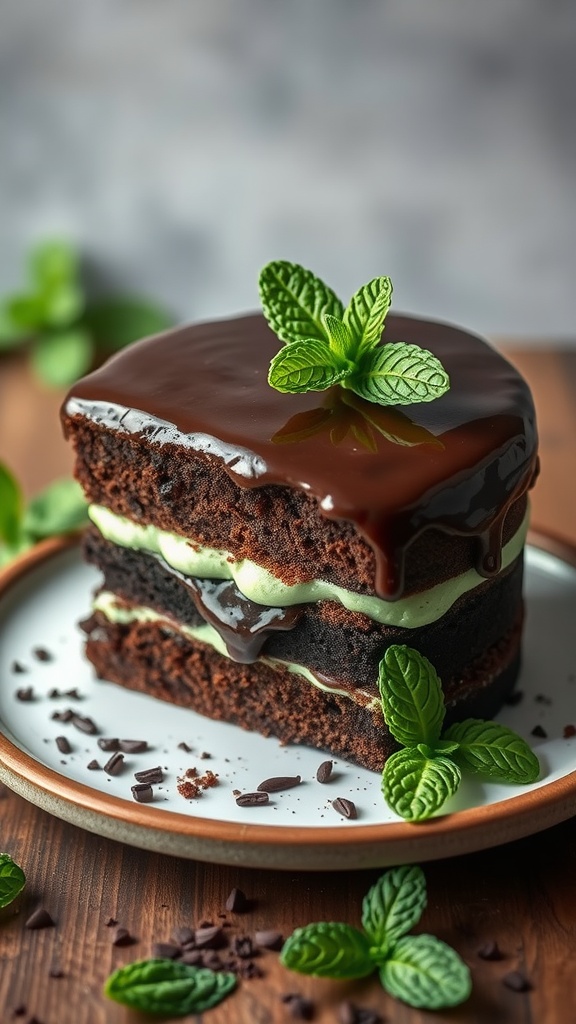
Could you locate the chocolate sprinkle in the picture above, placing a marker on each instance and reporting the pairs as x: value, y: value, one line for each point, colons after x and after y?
x: 143, y: 793
x: 517, y: 982
x: 39, y: 919
x: 490, y: 951
x: 106, y: 743
x: 540, y: 732
x: 63, y: 745
x: 84, y: 724
x: 345, y: 807
x: 25, y: 694
x: 252, y: 799
x: 300, y: 1007
x: 277, y: 784
x: 133, y: 746
x: 151, y: 775
x: 93, y: 765
x: 324, y: 771
x: 269, y: 939
x: 237, y: 902
x: 114, y: 764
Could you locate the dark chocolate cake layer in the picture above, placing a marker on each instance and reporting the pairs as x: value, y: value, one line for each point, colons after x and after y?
x: 324, y: 637
x: 198, y: 397
x: 154, y: 659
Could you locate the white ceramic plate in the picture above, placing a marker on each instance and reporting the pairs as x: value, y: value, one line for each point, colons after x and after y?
x: 41, y: 600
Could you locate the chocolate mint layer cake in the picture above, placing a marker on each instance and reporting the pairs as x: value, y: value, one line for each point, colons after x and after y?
x: 261, y: 550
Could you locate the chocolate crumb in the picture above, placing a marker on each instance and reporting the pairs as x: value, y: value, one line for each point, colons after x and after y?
x: 25, y: 694
x: 236, y: 792
x: 17, y: 667
x: 41, y: 654
x: 114, y: 764
x: 63, y: 716
x: 54, y: 693
x: 514, y: 698
x: 108, y: 744
x: 350, y: 1013
x: 212, y: 961
x: 165, y: 950
x: 183, y: 936
x: 63, y: 745
x: 151, y: 775
x: 111, y: 922
x: 204, y: 756
x: 490, y: 951
x: 345, y: 807
x: 569, y: 731
x: 517, y: 982
x: 143, y: 793
x: 55, y: 972
x: 541, y: 698
x: 299, y: 1006
x: 39, y: 919
x: 237, y: 902
x: 243, y: 947
x: 209, y: 937
x: 252, y: 799
x: 184, y: 746
x: 208, y: 780
x: 133, y: 746
x: 93, y: 765
x: 85, y: 724
x: 19, y: 1010
x: 122, y: 937
x: 540, y: 732
x: 269, y: 939
x: 324, y: 771
x: 277, y: 784
x: 74, y: 693
x: 192, y: 957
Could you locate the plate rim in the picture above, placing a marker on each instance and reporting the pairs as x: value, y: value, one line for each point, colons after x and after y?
x: 253, y: 844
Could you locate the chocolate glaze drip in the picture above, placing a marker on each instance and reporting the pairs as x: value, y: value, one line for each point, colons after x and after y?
x: 205, y: 388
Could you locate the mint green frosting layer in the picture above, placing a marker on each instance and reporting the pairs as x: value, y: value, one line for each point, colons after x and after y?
x: 107, y: 603
x: 260, y: 586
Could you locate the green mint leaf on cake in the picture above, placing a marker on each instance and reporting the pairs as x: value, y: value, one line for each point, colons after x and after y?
x: 345, y: 344
x: 328, y: 950
x: 12, y: 879
x: 417, y: 781
x: 426, y: 973
x: 494, y: 751
x: 420, y: 970
x: 168, y: 988
x: 394, y: 905
x: 416, y: 786
x: 412, y: 697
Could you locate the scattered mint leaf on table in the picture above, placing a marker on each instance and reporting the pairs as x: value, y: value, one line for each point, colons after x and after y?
x: 417, y: 781
x: 167, y: 988
x: 418, y: 969
x: 12, y: 879
x: 344, y: 343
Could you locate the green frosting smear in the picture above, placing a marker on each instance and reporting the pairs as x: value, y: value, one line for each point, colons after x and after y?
x: 260, y: 586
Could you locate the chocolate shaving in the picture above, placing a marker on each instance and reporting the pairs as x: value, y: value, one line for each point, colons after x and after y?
x: 165, y: 950
x: 133, y: 746
x: 252, y: 799
x: 63, y: 716
x: 277, y: 784
x: 25, y: 694
x: 93, y: 765
x: 114, y: 764
x: 108, y: 744
x: 84, y: 724
x: 269, y: 939
x: 151, y: 775
x: 183, y: 936
x: 193, y: 957
x: 63, y: 745
x: 324, y: 771
x: 237, y: 902
x: 39, y: 919
x: 517, y: 982
x: 490, y: 951
x: 143, y: 793
x: 299, y: 1006
x: 122, y: 937
x: 211, y: 937
x: 184, y: 746
x: 345, y: 807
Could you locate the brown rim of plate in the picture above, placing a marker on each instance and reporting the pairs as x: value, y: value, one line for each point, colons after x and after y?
x: 464, y: 831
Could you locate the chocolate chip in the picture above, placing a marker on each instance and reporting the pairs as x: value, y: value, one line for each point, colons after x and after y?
x: 183, y: 936
x: 84, y: 724
x: 277, y: 784
x: 184, y: 746
x: 55, y: 972
x: 490, y: 951
x: 299, y: 1006
x: 269, y: 939
x: 63, y: 745
x: 165, y: 951
x: 209, y: 937
x: 42, y: 654
x: 114, y: 764
x: 540, y: 732
x: 517, y: 982
x: 569, y: 731
x: 133, y: 746
x: 143, y: 793
x: 514, y: 698
x: 324, y: 771
x: 93, y: 765
x: 108, y: 744
x: 39, y: 919
x: 122, y: 937
x: 151, y: 775
x: 345, y: 807
x: 350, y: 1013
x: 204, y: 756
x: 17, y: 667
x: 237, y: 902
x: 243, y: 947
x: 63, y: 716
x: 252, y: 799
x: 25, y: 694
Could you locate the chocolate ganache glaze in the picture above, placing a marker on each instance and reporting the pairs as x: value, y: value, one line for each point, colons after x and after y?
x: 455, y: 464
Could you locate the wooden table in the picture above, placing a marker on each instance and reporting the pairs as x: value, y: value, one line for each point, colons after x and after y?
x: 522, y: 895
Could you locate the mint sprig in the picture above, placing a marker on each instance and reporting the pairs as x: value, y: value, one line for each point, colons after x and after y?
x: 327, y: 344
x: 12, y: 879
x: 418, y: 969
x: 417, y: 781
x: 59, y: 508
x: 168, y: 988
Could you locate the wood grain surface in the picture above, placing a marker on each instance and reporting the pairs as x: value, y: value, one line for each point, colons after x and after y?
x: 522, y: 895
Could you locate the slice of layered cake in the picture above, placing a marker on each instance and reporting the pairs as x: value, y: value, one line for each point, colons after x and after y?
x: 261, y: 549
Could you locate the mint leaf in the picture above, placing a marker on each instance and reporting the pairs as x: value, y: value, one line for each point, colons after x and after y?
x: 366, y: 312
x: 11, y: 507
x: 328, y: 950
x: 493, y: 750
x: 11, y: 336
x: 62, y: 305
x: 426, y: 973
x: 339, y: 336
x: 53, y: 264
x: 399, y: 374
x: 168, y: 988
x: 26, y: 312
x: 118, y: 322
x: 412, y: 698
x: 293, y: 300
x: 12, y: 879
x: 415, y: 786
x: 59, y: 359
x: 60, y: 508
x: 394, y: 905
x: 306, y: 366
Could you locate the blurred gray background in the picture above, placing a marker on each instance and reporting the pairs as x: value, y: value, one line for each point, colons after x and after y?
x: 184, y: 144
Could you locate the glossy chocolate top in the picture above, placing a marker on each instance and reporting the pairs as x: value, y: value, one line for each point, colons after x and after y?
x: 456, y: 463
